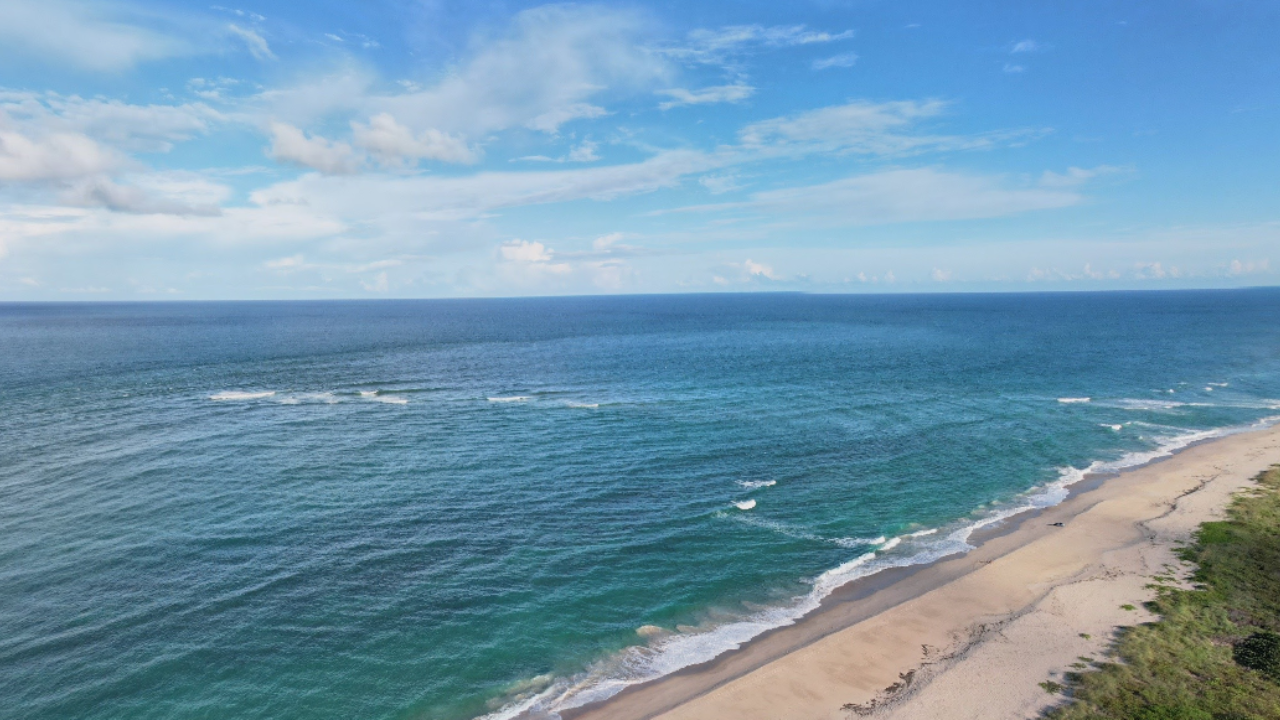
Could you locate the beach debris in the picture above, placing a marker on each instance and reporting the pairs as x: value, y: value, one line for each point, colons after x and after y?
x: 1058, y: 524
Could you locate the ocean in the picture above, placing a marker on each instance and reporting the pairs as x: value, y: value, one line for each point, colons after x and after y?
x: 450, y: 509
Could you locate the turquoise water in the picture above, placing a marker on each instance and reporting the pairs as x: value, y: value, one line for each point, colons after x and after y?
x: 443, y: 509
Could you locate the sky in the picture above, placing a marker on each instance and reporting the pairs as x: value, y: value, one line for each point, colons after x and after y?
x: 431, y: 148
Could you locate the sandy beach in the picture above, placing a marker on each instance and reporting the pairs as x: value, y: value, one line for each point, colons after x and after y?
x: 972, y: 636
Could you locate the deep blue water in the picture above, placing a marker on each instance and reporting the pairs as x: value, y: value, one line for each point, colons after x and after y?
x: 439, y: 509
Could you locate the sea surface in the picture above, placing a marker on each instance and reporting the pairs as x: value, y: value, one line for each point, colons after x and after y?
x: 451, y: 509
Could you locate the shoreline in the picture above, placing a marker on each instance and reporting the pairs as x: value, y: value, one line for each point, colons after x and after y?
x: 876, y: 645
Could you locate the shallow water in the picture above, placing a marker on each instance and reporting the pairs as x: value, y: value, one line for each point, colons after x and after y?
x: 442, y: 509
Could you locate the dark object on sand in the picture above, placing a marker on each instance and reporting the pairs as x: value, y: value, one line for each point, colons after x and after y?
x: 1055, y: 524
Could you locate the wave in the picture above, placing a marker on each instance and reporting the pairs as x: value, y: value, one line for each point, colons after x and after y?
x: 509, y: 398
x: 1072, y: 400
x: 744, y: 504
x: 241, y: 395
x: 325, y: 398
x: 667, y: 653
x: 589, y: 406
x: 753, y: 484
x: 391, y: 399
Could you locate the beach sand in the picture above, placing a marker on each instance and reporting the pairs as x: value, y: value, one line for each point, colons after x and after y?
x: 972, y: 636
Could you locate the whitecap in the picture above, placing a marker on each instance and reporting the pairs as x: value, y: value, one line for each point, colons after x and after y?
x: 744, y: 504
x: 509, y: 399
x: 391, y: 399
x: 1116, y: 428
x: 922, y: 533
x: 752, y: 484
x: 1073, y: 400
x: 588, y: 406
x: 893, y: 543
x: 241, y: 395
x: 368, y: 393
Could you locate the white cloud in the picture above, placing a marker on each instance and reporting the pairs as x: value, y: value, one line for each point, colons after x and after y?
x: 1025, y: 46
x: 718, y: 94
x: 718, y: 184
x: 584, y: 152
x: 373, y: 196
x: 545, y: 71
x: 137, y: 128
x: 604, y: 242
x: 717, y: 46
x: 1012, y: 69
x: 940, y: 275
x: 525, y: 251
x: 755, y: 269
x: 836, y: 61
x: 256, y: 44
x: 1075, y: 176
x: 861, y: 127
x: 380, y: 284
x: 106, y: 193
x: 1249, y: 267
x: 394, y: 144
x: 56, y: 156
x: 291, y: 145
x: 909, y: 196
x: 90, y: 35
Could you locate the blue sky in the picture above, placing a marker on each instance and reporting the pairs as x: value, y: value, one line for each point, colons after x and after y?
x: 323, y: 149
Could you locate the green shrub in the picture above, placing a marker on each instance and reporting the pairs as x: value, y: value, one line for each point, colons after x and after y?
x: 1260, y: 651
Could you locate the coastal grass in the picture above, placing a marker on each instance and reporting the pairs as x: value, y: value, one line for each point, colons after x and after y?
x: 1215, y: 652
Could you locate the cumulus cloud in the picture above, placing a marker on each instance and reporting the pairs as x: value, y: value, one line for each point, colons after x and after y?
x: 718, y: 94
x: 1249, y: 267
x: 525, y: 251
x: 88, y: 35
x: 394, y: 144
x: 291, y: 145
x: 55, y: 156
x: 755, y: 269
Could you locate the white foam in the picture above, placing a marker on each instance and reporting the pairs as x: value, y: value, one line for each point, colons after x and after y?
x: 1071, y: 400
x: 1222, y: 384
x: 752, y: 484
x: 588, y: 406
x: 509, y: 399
x: 326, y: 398
x: 744, y: 504
x: 1117, y: 428
x: 368, y: 393
x: 1143, y: 404
x: 670, y: 653
x: 241, y: 395
x: 391, y: 399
